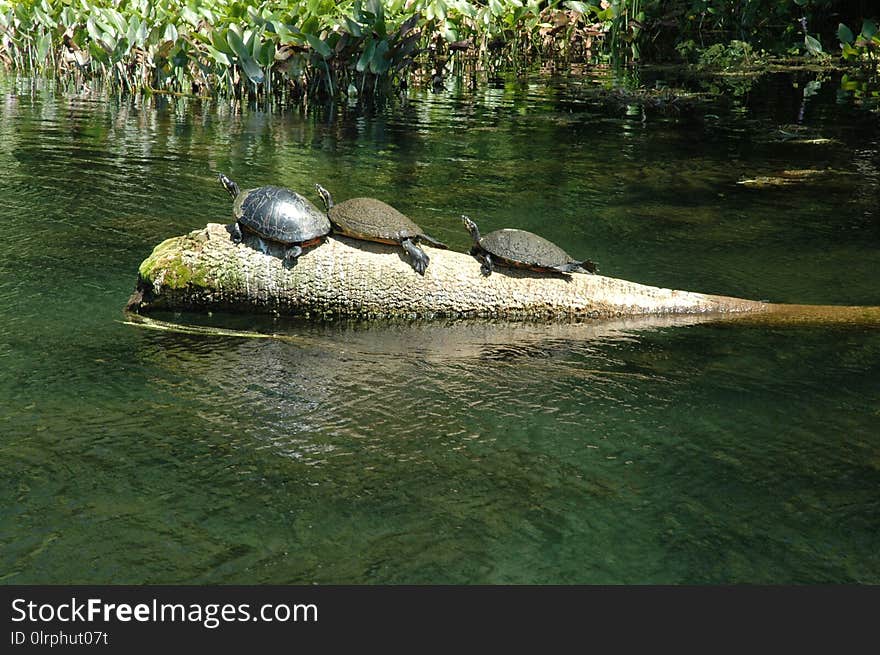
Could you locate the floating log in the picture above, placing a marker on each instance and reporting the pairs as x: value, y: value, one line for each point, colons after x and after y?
x: 204, y: 270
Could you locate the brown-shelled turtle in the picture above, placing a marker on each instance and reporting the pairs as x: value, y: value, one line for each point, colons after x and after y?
x: 369, y: 219
x: 276, y: 214
x: 523, y: 250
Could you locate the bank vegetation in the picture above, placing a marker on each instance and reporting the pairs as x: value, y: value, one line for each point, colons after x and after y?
x: 289, y: 50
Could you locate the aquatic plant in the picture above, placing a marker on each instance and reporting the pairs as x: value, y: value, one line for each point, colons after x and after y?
x: 290, y: 49
x: 293, y: 47
x: 862, y: 48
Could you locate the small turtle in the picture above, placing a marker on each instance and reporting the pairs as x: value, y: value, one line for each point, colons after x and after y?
x: 276, y: 214
x: 523, y: 250
x: 369, y: 219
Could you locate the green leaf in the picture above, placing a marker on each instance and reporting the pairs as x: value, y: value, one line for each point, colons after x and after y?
x: 310, y: 25
x: 142, y: 35
x: 98, y: 53
x: 179, y: 58
x: 813, y: 46
x: 379, y: 64
x: 171, y: 33
x: 366, y: 56
x: 580, y: 7
x: 190, y: 16
x: 43, y: 45
x: 115, y: 19
x: 869, y: 28
x: 248, y: 38
x: 267, y: 56
x: 252, y: 70
x: 245, y: 60
x: 465, y: 8
x: 131, y: 32
x: 44, y: 18
x: 844, y: 34
x: 375, y: 8
x: 436, y: 9
x: 257, y: 48
x: 236, y: 44
x: 92, y: 28
x: 221, y: 43
x: 353, y: 28
x: 219, y: 57
x: 320, y: 47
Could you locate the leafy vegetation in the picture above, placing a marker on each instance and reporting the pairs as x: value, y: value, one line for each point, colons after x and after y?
x: 262, y: 49
x: 863, y: 50
x: 291, y: 49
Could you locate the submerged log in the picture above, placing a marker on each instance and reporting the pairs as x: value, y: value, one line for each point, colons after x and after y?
x: 205, y: 270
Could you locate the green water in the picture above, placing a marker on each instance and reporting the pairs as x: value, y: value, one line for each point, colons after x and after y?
x: 446, y: 452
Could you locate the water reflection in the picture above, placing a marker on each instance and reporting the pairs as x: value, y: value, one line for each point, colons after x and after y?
x: 311, y: 379
x: 463, y: 452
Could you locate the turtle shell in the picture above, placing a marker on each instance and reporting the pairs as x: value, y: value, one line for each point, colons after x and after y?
x: 279, y: 214
x: 525, y: 249
x: 373, y: 220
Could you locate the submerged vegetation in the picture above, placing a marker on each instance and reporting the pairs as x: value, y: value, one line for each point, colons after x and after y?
x: 294, y: 49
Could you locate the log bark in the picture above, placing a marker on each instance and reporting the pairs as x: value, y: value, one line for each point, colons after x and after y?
x: 342, y: 277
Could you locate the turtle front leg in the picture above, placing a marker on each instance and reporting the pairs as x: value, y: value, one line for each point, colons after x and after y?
x: 485, y: 260
x: 236, y: 232
x: 417, y: 256
x: 291, y: 254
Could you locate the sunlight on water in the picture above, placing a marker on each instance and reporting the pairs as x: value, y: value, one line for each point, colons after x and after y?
x: 670, y: 451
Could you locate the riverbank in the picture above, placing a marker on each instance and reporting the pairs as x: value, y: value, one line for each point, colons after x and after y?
x: 357, y: 51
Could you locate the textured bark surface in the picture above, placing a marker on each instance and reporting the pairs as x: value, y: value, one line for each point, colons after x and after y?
x: 345, y: 277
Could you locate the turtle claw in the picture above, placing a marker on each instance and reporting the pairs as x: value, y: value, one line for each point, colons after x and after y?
x: 417, y: 256
x: 291, y: 255
x: 485, y: 264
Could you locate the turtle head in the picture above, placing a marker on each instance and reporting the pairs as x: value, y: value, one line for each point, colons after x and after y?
x: 229, y: 185
x: 471, y: 227
x: 325, y: 196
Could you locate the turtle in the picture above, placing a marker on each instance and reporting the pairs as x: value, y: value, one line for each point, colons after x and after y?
x: 522, y: 249
x: 369, y: 219
x: 276, y: 214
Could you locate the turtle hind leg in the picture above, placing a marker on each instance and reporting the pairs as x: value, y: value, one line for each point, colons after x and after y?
x: 417, y: 256
x: 587, y: 266
x: 291, y: 255
x: 576, y: 267
x: 235, y: 231
x: 431, y: 241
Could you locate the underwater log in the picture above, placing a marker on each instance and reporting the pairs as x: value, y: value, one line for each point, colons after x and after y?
x: 204, y: 270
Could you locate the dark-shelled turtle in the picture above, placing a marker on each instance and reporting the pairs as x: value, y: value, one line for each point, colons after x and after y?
x: 373, y: 220
x: 523, y: 250
x: 276, y: 214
